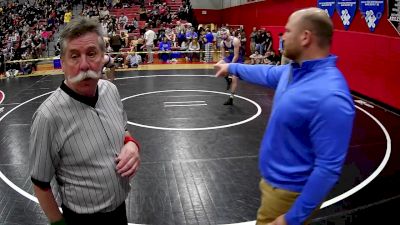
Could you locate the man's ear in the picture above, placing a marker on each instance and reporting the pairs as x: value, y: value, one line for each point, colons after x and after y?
x: 306, y: 38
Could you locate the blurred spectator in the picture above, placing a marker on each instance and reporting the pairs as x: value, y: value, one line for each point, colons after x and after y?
x: 122, y: 21
x: 208, y: 45
x: 67, y: 16
x: 165, y: 45
x: 149, y: 38
x: 125, y: 38
x: 256, y: 58
x: 133, y: 60
x: 116, y: 42
x: 253, y: 36
x: 104, y: 13
x: 194, y: 46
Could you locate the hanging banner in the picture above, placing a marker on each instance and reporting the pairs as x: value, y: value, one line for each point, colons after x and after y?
x: 394, y: 14
x: 346, y: 10
x: 372, y: 11
x: 327, y: 5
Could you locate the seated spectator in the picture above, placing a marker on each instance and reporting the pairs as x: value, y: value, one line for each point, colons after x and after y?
x: 135, y: 23
x: 140, y: 43
x: 122, y: 21
x: 26, y: 67
x: 266, y: 58
x: 140, y: 46
x: 170, y: 35
x: 116, y: 4
x: 104, y: 12
x: 125, y: 38
x: 270, y: 58
x: 274, y: 58
x: 130, y: 27
x: 194, y: 46
x: 134, y: 42
x: 108, y: 47
x: 256, y: 58
x: 133, y: 60
x: 181, y: 36
x: 142, y: 14
x: 116, y: 42
x: 165, y: 45
x: 184, y: 46
x: 119, y: 61
x: 191, y: 34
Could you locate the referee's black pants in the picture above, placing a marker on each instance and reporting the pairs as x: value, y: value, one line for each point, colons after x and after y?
x: 116, y: 217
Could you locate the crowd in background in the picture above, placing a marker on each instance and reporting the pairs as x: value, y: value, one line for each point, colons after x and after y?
x: 261, y: 48
x: 26, y: 28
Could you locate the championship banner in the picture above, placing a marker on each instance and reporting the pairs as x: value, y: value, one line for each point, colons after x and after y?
x: 372, y: 12
x: 346, y: 10
x: 394, y: 14
x: 327, y: 5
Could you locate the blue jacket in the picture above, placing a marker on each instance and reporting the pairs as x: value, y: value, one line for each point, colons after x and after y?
x: 309, y: 129
x: 164, y: 46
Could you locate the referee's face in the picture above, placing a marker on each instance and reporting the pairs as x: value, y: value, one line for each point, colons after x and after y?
x: 81, y: 55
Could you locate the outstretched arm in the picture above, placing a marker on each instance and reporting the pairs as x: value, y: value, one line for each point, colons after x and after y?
x: 265, y: 75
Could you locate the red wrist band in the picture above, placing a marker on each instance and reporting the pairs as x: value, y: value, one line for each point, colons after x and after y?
x: 129, y: 138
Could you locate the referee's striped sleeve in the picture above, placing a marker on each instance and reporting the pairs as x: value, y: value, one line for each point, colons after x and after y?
x: 117, y: 99
x: 41, y: 163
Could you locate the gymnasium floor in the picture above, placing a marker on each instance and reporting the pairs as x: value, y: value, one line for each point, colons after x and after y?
x: 199, y: 157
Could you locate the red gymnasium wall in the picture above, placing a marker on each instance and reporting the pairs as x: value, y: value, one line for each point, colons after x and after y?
x: 205, y: 16
x: 370, y: 61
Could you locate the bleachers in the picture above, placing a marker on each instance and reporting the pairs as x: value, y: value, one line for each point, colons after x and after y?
x: 133, y: 12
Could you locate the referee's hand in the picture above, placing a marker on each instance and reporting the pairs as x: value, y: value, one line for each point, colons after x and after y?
x: 128, y: 161
x: 222, y: 69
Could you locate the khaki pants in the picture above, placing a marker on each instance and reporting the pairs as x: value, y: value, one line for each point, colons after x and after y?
x: 275, y: 202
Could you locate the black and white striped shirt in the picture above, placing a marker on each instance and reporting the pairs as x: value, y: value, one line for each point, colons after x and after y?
x: 76, y: 139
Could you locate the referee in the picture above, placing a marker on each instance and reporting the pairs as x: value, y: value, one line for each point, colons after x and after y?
x: 79, y: 137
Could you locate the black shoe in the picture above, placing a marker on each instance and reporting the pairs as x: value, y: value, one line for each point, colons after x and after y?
x: 229, y: 101
x: 228, y: 82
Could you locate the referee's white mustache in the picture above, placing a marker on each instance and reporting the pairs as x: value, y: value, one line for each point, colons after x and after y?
x: 85, y: 74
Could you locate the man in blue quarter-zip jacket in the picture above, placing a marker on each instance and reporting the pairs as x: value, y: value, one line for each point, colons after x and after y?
x: 308, y: 133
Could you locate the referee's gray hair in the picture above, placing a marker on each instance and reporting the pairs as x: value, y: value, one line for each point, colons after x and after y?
x: 78, y: 27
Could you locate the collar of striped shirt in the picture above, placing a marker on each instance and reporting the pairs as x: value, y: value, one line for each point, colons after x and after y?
x: 90, y: 101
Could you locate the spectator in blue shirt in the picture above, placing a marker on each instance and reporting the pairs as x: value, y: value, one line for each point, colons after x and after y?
x: 191, y: 34
x: 165, y: 45
x: 309, y: 129
x: 208, y: 45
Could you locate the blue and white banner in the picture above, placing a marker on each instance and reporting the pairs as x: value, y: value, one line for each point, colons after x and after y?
x: 346, y: 10
x: 372, y: 11
x: 327, y: 5
x: 394, y: 14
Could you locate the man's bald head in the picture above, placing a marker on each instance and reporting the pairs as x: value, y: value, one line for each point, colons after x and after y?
x: 318, y: 22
